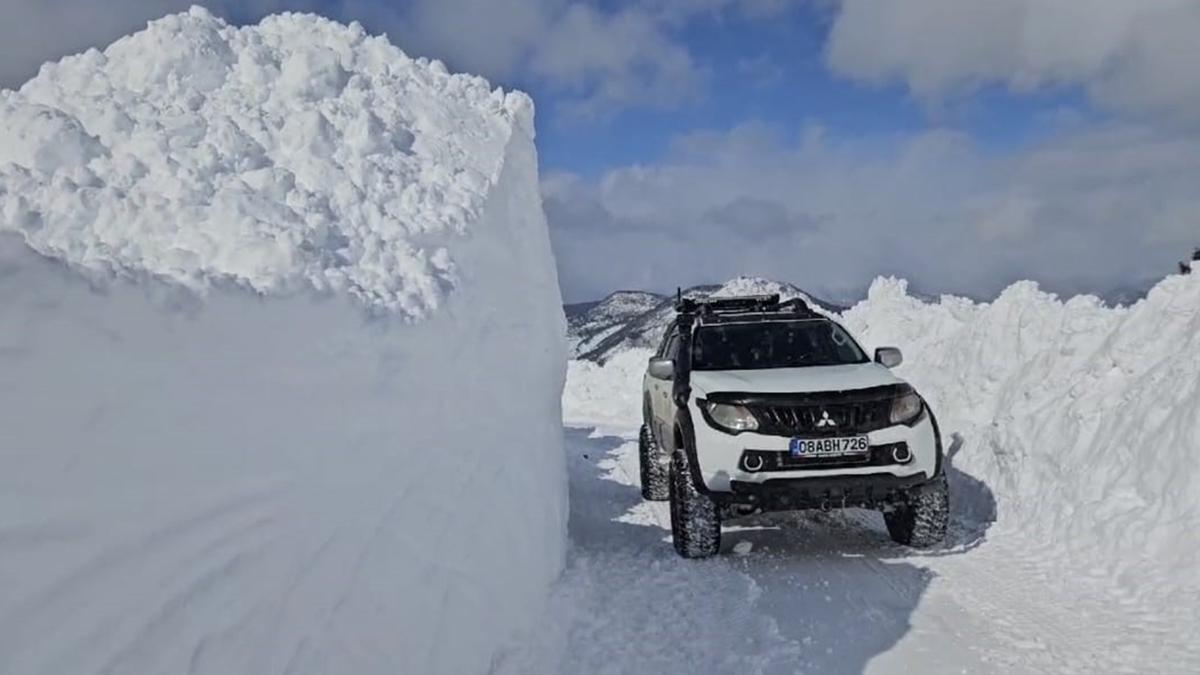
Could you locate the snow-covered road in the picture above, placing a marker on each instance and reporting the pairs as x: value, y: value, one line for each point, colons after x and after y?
x: 823, y: 593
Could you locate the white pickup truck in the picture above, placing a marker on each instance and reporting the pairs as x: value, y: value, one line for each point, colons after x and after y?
x: 753, y: 405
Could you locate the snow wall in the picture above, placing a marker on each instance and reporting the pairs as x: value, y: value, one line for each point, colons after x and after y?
x: 1084, y: 420
x: 281, y: 359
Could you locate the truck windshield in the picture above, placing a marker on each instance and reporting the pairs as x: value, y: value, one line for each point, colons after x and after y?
x: 773, y: 344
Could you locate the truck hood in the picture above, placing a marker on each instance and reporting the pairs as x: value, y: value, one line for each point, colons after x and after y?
x: 794, y: 380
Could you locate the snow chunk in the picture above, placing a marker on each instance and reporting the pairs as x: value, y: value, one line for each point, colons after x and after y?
x: 29, y: 129
x: 314, y: 74
x: 297, y: 153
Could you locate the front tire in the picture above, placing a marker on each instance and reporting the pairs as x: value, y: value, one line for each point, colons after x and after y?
x: 695, y: 520
x: 655, y: 472
x: 921, y: 519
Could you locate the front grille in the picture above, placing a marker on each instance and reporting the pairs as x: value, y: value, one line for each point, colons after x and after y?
x: 815, y: 415
x: 828, y: 419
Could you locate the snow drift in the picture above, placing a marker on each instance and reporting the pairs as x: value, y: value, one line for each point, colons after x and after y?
x: 1083, y: 419
x: 608, y: 395
x: 264, y: 292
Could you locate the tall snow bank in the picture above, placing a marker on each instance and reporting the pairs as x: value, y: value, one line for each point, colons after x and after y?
x: 1083, y: 419
x: 229, y: 446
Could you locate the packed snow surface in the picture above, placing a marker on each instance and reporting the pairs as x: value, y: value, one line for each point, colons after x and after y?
x: 1072, y: 430
x: 292, y: 154
x: 227, y: 445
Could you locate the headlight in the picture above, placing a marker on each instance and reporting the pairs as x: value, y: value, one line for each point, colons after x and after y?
x: 906, y: 408
x: 730, y: 417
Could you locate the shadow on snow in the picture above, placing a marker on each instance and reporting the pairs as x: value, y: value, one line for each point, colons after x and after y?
x: 820, y: 593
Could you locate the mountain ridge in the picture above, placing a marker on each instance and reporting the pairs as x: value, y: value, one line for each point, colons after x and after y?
x: 636, y: 319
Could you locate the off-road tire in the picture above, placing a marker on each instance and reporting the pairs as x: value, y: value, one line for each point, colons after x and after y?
x: 920, y: 520
x: 655, y: 472
x: 695, y: 520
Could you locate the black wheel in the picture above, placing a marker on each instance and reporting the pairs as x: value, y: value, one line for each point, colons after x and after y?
x: 920, y: 520
x: 655, y: 469
x: 695, y: 520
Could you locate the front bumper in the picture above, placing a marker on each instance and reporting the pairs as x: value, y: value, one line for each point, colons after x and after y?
x: 718, y: 456
x: 870, y: 491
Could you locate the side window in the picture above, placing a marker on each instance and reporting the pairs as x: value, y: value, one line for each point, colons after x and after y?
x: 672, y: 346
x: 847, y: 350
x: 666, y: 349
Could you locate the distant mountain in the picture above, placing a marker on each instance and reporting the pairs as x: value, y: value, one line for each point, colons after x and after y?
x: 589, y: 323
x: 577, y: 309
x: 635, y: 319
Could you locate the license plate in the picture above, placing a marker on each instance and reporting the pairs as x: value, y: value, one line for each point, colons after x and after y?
x: 829, y: 447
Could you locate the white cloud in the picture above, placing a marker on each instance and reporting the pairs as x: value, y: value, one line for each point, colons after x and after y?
x: 1097, y: 209
x: 33, y: 32
x: 492, y: 38
x: 601, y: 56
x: 614, y: 60
x: 1134, y: 56
x: 599, y: 59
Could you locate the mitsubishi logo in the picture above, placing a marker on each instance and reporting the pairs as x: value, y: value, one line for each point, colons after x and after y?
x: 825, y: 420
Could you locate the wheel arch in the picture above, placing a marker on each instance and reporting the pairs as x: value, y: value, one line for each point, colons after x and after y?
x: 685, y: 442
x: 939, y: 463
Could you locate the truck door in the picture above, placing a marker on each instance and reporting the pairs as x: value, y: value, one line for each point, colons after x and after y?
x: 664, y: 407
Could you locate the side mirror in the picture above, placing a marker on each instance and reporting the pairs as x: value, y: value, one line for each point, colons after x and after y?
x: 888, y: 357
x: 662, y: 369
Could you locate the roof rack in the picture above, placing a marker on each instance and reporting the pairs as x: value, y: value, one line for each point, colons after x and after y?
x: 745, y: 304
x: 716, y: 310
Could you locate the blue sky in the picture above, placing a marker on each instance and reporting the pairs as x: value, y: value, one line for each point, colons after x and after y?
x: 769, y: 72
x: 961, y: 145
x: 774, y: 72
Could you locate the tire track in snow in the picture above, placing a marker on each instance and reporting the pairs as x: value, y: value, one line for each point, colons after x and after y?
x: 627, y: 604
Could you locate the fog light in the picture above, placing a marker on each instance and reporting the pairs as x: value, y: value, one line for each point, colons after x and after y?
x: 901, y: 454
x: 752, y: 462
